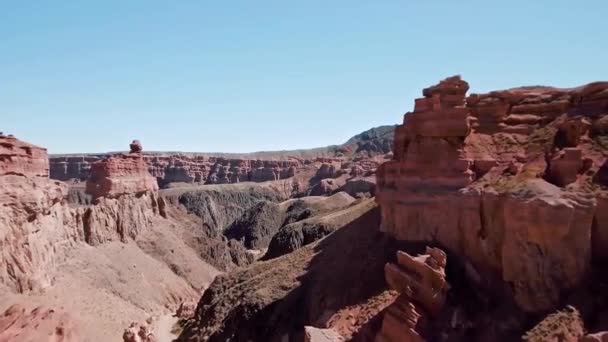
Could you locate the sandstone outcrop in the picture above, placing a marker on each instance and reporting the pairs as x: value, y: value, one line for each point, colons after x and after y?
x: 37, y: 227
x: 121, y: 174
x: 24, y: 179
x: 423, y: 288
x: 183, y: 168
x: 507, y: 179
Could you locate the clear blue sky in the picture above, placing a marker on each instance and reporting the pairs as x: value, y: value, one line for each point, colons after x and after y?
x: 238, y: 76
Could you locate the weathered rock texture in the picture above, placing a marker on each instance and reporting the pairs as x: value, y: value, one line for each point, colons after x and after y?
x: 507, y: 179
x: 40, y: 324
x: 423, y: 288
x: 121, y: 174
x: 565, y: 325
x: 37, y: 226
x: 185, y: 168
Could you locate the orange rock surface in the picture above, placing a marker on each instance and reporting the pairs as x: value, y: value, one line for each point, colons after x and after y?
x: 37, y: 226
x: 121, y: 174
x: 423, y: 288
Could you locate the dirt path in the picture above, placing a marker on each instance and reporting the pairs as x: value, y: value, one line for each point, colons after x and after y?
x: 162, y: 328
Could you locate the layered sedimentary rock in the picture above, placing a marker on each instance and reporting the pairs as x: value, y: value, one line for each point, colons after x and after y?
x: 184, y: 168
x: 37, y: 226
x: 507, y: 179
x: 359, y: 156
x: 121, y: 174
x: 423, y: 288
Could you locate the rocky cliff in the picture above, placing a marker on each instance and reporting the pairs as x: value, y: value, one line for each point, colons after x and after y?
x: 121, y: 174
x: 89, y: 261
x: 37, y: 226
x: 511, y: 180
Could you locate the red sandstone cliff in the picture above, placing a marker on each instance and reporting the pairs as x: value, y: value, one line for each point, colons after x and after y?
x: 121, y: 174
x: 184, y: 168
x: 37, y: 227
x: 511, y: 180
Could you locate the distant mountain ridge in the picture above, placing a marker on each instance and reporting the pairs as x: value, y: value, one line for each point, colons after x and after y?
x: 374, y: 141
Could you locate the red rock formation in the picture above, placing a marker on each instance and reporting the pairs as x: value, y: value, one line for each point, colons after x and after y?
x: 24, y: 166
x: 468, y: 173
x: 37, y: 227
x: 20, y: 158
x: 37, y: 325
x: 121, y: 174
x: 170, y: 168
x: 193, y: 168
x: 421, y: 282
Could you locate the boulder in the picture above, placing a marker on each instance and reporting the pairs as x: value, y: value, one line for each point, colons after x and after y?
x: 136, y: 147
x: 423, y: 289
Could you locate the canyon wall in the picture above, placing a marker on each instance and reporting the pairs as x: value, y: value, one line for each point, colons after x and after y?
x: 511, y: 180
x: 37, y: 226
x: 185, y: 168
x: 362, y: 152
